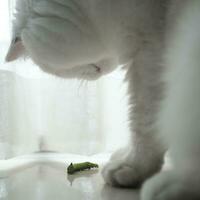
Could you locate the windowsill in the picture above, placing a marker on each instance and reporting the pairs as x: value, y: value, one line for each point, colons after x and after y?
x: 43, y: 176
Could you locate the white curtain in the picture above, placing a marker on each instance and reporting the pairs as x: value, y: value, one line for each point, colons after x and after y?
x: 39, y: 112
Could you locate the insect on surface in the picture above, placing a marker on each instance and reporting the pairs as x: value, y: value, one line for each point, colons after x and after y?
x: 76, y: 167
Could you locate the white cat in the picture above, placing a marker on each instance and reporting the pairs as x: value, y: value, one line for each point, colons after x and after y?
x: 159, y: 41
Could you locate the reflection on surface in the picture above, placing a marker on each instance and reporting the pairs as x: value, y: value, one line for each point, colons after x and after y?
x: 51, y: 183
x: 78, y: 175
x: 111, y: 193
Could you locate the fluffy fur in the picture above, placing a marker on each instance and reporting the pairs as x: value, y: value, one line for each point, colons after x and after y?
x: 159, y: 42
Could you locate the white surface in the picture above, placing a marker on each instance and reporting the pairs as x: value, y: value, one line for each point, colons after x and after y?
x: 48, y: 180
x: 15, y: 165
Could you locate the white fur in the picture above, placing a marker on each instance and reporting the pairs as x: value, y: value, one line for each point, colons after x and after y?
x: 86, y: 39
x: 179, y: 119
x: 62, y: 39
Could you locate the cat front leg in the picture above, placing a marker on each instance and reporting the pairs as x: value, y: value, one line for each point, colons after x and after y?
x: 144, y: 155
x: 179, y: 119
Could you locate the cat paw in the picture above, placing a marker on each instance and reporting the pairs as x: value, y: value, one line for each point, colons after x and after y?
x: 117, y: 173
x: 125, y: 171
x: 170, y: 186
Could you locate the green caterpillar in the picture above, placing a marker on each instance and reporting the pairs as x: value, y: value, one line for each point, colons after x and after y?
x: 76, y: 167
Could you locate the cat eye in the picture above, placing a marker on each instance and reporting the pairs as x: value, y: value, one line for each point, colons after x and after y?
x: 16, y: 39
x: 98, y: 69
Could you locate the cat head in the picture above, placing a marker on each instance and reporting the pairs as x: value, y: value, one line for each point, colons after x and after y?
x: 60, y: 39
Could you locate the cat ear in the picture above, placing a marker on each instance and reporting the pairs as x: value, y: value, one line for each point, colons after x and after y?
x: 16, y: 49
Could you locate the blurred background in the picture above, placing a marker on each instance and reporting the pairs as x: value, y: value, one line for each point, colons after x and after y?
x: 39, y: 112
